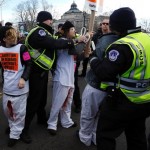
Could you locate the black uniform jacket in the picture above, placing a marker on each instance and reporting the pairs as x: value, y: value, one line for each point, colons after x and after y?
x: 40, y: 40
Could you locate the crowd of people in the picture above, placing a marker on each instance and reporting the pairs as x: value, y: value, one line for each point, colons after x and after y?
x: 115, y: 99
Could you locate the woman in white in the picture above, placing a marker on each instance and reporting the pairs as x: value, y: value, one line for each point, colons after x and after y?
x: 16, y: 62
x: 63, y: 85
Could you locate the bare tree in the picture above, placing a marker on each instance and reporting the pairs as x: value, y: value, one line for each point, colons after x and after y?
x: 145, y: 24
x: 31, y: 8
x: 55, y: 14
x: 26, y: 13
x: 45, y: 5
x: 50, y: 8
x: 21, y: 13
x: 2, y: 2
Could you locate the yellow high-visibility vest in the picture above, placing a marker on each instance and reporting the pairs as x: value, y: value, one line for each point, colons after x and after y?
x: 39, y: 57
x: 135, y: 82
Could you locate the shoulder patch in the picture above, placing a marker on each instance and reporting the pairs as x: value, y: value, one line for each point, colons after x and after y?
x: 42, y: 33
x: 113, y: 55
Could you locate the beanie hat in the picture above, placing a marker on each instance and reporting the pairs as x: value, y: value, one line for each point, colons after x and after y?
x: 67, y: 25
x: 60, y: 25
x: 43, y: 16
x: 3, y: 32
x: 122, y: 19
x: 8, y: 24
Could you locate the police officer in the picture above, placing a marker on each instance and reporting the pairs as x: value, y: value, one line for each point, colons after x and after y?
x: 125, y: 70
x: 42, y: 47
x: 59, y: 33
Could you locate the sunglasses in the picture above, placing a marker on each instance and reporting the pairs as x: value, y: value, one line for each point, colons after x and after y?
x: 105, y: 23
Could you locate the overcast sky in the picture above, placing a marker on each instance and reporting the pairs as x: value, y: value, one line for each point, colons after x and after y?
x: 141, y: 7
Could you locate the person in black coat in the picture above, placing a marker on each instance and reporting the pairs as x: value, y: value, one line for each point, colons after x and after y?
x: 59, y: 33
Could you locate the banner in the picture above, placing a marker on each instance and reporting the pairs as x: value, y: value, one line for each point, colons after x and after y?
x: 9, y: 61
x: 22, y: 27
x: 91, y: 4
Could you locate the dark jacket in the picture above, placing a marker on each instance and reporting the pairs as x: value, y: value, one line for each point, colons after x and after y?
x: 101, y: 46
x: 96, y: 36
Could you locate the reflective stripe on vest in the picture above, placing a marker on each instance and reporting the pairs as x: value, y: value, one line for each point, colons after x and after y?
x: 135, y: 82
x: 40, y: 58
x: 134, y: 85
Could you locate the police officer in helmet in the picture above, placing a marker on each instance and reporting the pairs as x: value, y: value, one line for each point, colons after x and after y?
x: 124, y: 73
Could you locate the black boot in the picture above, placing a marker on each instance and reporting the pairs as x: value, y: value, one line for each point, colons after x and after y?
x: 12, y: 142
x: 52, y: 132
x: 25, y: 137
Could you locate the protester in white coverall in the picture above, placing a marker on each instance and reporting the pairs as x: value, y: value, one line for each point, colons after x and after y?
x: 16, y: 62
x: 63, y: 85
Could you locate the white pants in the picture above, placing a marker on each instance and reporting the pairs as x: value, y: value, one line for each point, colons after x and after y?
x: 15, y: 110
x: 91, y: 99
x: 61, y: 102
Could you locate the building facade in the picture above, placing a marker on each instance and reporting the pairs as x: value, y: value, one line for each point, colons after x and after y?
x: 78, y: 18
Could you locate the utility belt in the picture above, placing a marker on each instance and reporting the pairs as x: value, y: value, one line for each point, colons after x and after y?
x: 111, y: 90
x: 132, y: 85
x: 137, y: 91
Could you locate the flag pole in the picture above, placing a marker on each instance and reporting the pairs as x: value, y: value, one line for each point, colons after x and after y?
x: 92, y: 5
x: 92, y: 19
x: 91, y: 25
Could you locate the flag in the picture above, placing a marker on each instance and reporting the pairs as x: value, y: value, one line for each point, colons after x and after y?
x: 91, y: 4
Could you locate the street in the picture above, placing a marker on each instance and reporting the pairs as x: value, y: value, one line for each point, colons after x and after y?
x: 65, y: 139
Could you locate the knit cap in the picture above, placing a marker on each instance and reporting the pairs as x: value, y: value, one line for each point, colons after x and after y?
x: 3, y: 32
x: 67, y: 25
x: 60, y: 25
x: 122, y: 19
x: 43, y: 16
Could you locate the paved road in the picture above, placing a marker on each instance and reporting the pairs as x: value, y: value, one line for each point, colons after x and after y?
x: 64, y: 140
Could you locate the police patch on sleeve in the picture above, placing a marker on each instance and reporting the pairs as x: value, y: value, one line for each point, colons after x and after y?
x: 113, y: 55
x: 42, y: 33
